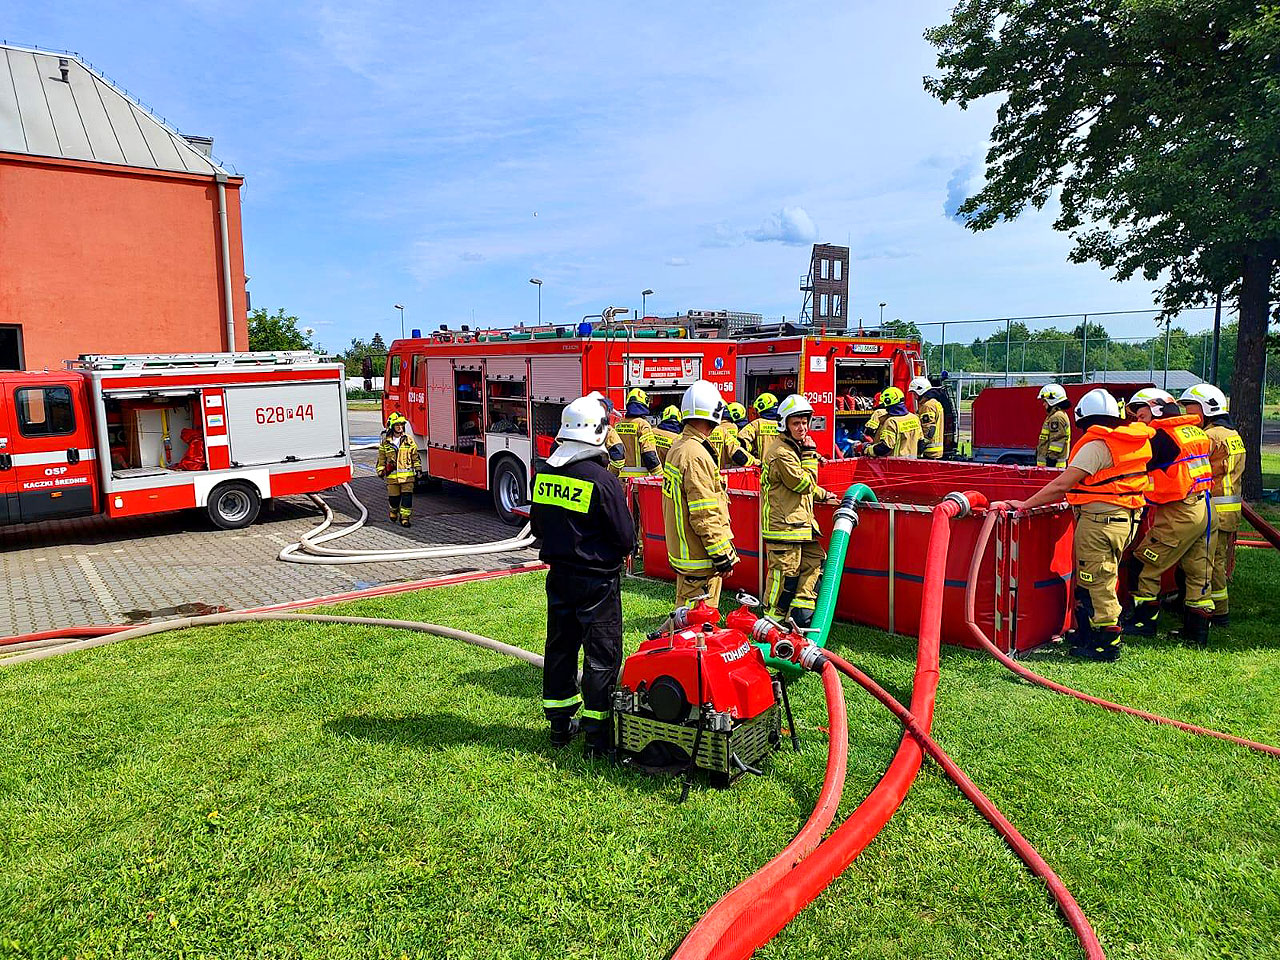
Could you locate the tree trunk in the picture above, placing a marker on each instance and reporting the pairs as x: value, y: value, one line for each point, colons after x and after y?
x: 1246, y: 381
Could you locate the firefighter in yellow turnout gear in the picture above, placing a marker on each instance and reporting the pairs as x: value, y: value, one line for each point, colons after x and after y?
x: 931, y: 416
x: 1226, y: 460
x: 1181, y: 479
x: 758, y: 436
x: 1105, y: 481
x: 614, y: 448
x: 399, y: 464
x: 1055, y: 434
x: 665, y: 433
x: 900, y: 432
x: 788, y: 488
x: 724, y: 439
x: 640, y: 452
x: 695, y: 503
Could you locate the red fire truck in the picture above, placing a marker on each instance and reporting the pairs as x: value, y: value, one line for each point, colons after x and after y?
x: 839, y: 374
x: 485, y: 405
x: 1007, y: 420
x: 105, y: 435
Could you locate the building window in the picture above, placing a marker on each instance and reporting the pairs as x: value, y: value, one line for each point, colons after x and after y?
x: 45, y: 411
x: 822, y: 309
x: 835, y: 303
x: 393, y: 373
x: 825, y: 266
x: 837, y: 268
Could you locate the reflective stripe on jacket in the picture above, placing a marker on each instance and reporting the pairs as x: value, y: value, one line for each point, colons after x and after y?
x: 616, y: 451
x: 398, y: 465
x: 637, y: 440
x: 901, y: 434
x: 1125, y: 482
x: 1189, y: 472
x: 788, y: 485
x: 725, y: 442
x: 1226, y: 459
x: 875, y: 423
x: 695, y: 505
x: 759, y: 436
x: 662, y: 441
x: 1055, y: 434
x: 931, y: 428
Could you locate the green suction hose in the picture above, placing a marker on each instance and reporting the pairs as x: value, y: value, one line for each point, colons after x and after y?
x: 846, y: 518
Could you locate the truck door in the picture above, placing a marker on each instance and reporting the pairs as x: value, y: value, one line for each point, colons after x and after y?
x: 8, y: 478
x: 51, y: 449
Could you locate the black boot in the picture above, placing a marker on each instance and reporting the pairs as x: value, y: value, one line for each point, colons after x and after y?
x: 1105, y: 647
x: 563, y: 732
x: 1141, y: 620
x: 1221, y: 619
x: 1081, y: 638
x: 597, y: 739
x: 802, y: 617
x: 1195, y: 627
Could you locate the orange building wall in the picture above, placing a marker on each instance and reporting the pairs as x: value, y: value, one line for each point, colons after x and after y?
x: 102, y: 259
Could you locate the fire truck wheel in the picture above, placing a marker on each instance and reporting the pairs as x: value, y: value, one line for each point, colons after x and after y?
x: 509, y: 489
x: 233, y: 505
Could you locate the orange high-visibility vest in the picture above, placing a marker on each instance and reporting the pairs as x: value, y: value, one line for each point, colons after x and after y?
x: 1125, y: 482
x: 1190, y: 470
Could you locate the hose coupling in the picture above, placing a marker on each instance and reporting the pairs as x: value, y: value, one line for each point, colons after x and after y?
x: 846, y: 515
x: 784, y: 649
x: 812, y: 657
x: 963, y: 502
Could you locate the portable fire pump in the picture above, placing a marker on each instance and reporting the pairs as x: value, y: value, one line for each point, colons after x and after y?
x: 699, y: 695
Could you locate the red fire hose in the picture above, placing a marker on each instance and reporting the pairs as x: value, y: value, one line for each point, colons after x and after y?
x: 752, y: 891
x: 793, y: 891
x: 1017, y: 842
x: 970, y: 595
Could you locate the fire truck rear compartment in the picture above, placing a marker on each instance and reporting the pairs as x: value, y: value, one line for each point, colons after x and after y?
x: 145, y: 433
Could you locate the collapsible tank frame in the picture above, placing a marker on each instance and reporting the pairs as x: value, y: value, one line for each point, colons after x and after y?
x: 1025, y: 582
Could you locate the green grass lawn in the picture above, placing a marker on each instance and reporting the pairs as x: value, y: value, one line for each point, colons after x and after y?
x: 290, y: 791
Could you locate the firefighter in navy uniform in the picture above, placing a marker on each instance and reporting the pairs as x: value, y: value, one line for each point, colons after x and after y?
x: 665, y: 433
x: 1055, y: 432
x: 1105, y: 481
x: 695, y: 503
x: 1226, y: 459
x: 788, y: 488
x: 1181, y: 480
x: 580, y: 513
x: 758, y: 436
x: 640, y: 452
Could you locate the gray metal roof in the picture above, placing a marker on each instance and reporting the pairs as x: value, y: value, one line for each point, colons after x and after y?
x: 84, y: 117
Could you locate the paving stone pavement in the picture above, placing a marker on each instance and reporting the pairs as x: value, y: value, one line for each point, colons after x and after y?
x: 102, y: 571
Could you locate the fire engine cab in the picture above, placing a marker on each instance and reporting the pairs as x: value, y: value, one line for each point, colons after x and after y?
x: 484, y: 406
x: 140, y: 434
x: 838, y: 374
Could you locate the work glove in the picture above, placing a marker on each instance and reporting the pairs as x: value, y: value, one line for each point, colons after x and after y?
x: 723, y: 564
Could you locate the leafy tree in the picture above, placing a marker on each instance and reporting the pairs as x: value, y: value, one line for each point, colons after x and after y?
x: 277, y: 331
x: 901, y: 328
x: 1156, y: 123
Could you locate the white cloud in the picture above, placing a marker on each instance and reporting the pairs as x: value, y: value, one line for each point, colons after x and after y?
x: 677, y: 261
x: 790, y: 225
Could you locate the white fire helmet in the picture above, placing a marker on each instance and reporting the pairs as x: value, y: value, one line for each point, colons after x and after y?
x: 585, y: 421
x: 702, y: 401
x: 794, y: 406
x: 1097, y: 403
x: 1213, y: 402
x: 1149, y: 395
x: 920, y: 386
x: 1053, y: 394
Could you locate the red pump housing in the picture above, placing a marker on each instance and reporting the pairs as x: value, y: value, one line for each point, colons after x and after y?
x: 735, y: 680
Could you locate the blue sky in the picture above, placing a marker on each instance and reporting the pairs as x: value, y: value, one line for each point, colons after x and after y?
x: 441, y: 154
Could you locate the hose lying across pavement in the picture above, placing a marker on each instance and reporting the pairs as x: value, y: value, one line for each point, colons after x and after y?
x: 311, y: 549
